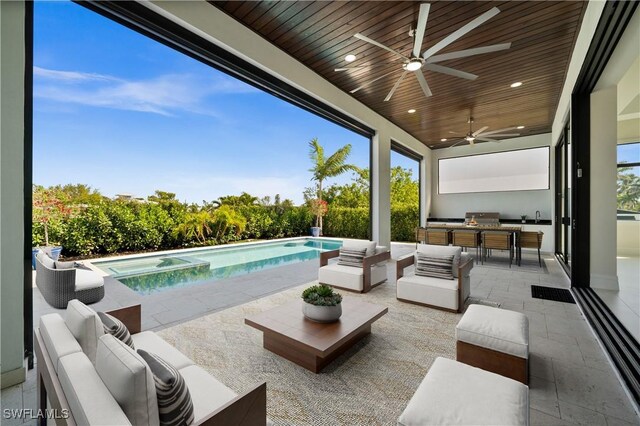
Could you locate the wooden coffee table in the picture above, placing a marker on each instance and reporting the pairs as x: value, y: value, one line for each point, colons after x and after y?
x: 309, y: 344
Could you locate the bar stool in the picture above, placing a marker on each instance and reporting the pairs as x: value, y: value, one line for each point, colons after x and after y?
x: 497, y: 240
x: 438, y: 236
x: 467, y: 238
x: 531, y: 239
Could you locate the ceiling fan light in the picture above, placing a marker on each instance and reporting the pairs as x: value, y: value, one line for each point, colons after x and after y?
x: 414, y: 65
x: 350, y: 58
x: 470, y: 139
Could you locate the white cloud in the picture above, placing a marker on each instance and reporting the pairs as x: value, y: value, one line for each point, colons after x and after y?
x: 165, y: 94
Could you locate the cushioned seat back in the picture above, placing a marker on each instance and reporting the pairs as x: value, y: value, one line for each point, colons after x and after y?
x: 85, y: 325
x: 57, y: 338
x: 370, y: 246
x: 129, y: 380
x: 432, y: 250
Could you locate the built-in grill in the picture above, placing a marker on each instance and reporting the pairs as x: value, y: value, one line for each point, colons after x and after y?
x: 482, y: 218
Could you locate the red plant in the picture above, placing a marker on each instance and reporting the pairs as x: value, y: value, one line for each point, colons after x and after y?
x: 47, y: 205
x: 319, y: 208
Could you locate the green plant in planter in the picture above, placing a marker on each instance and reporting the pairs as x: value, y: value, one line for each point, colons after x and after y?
x: 321, y: 295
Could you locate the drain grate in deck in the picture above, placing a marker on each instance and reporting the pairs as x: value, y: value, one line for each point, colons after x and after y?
x: 552, y: 293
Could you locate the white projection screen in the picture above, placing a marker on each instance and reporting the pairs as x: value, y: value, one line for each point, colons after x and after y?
x: 521, y: 170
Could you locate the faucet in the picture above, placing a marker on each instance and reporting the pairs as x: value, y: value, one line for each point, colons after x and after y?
x: 537, y: 216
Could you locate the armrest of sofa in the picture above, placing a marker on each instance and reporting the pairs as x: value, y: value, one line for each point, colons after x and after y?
x: 248, y: 409
x: 325, y: 256
x: 367, y: 263
x: 131, y: 316
x: 402, y: 263
x: 465, y: 266
x: 464, y: 282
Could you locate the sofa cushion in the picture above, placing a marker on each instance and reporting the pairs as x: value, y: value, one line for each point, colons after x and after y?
x: 46, y: 260
x: 494, y: 328
x: 116, y: 328
x: 351, y: 257
x: 151, y: 342
x: 57, y: 338
x: 85, y: 325
x: 453, y: 393
x: 88, y: 279
x: 443, y: 251
x: 434, y: 266
x: 88, y: 397
x: 64, y: 265
x: 370, y: 246
x: 174, y: 400
x: 129, y: 379
x: 207, y: 393
x: 429, y: 291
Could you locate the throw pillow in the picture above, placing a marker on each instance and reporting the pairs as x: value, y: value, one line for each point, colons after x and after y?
x: 116, y: 328
x: 434, y: 266
x: 351, y: 257
x: 175, y: 406
x: 64, y: 265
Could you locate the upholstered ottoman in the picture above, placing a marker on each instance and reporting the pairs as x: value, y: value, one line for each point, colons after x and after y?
x: 453, y: 393
x: 495, y: 340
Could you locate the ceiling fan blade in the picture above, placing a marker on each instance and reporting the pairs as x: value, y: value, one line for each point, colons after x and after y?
x: 375, y: 43
x: 460, y: 32
x: 395, y: 86
x: 480, y: 138
x: 371, y: 81
x: 468, y: 52
x: 498, y: 131
x: 450, y: 71
x: 418, y: 35
x: 480, y: 130
x: 458, y: 143
x: 509, y: 135
x: 423, y: 83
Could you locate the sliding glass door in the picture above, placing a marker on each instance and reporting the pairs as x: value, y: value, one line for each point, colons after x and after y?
x: 563, y: 221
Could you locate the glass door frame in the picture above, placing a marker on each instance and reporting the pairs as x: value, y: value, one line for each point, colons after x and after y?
x: 563, y: 228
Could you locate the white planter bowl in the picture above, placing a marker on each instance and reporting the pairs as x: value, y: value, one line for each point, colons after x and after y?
x: 322, y: 314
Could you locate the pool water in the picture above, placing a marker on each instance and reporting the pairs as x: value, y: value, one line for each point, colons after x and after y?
x: 154, y: 273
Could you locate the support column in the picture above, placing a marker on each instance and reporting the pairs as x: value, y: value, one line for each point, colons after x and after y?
x: 603, y: 204
x: 12, y: 83
x: 381, y: 188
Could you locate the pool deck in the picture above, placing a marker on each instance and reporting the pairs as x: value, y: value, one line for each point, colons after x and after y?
x: 173, y: 306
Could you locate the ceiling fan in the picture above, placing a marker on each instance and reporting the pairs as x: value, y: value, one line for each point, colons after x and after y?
x: 481, y: 135
x: 429, y: 60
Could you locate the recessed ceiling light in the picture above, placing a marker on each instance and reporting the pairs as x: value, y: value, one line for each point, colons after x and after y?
x: 443, y: 140
x: 411, y: 111
x: 520, y: 127
x: 516, y: 84
x: 350, y: 58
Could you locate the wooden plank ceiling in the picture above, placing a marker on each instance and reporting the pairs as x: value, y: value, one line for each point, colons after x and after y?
x: 542, y: 33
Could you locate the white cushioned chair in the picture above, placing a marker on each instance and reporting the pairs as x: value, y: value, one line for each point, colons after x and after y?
x: 440, y: 293
x: 372, y: 273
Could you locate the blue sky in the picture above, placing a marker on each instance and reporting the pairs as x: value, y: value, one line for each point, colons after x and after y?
x: 125, y: 114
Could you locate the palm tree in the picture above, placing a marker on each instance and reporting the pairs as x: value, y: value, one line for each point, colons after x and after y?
x: 324, y: 167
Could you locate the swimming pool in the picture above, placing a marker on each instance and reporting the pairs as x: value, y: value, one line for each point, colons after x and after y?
x: 149, y: 274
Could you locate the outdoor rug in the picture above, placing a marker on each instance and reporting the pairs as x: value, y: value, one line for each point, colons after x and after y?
x: 370, y: 384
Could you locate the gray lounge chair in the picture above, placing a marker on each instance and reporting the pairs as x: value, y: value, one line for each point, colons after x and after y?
x: 59, y: 286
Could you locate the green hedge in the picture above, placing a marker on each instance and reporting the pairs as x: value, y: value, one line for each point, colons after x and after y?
x: 349, y: 222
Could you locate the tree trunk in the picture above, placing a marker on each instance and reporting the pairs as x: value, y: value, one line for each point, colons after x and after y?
x: 320, y: 199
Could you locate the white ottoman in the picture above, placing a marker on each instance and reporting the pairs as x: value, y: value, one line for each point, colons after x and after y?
x: 453, y: 393
x: 495, y: 340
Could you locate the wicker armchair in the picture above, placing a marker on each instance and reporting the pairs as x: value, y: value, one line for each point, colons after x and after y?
x: 59, y: 286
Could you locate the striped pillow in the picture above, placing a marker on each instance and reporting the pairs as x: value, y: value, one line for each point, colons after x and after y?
x: 116, y: 328
x: 175, y: 406
x: 434, y: 266
x: 351, y: 257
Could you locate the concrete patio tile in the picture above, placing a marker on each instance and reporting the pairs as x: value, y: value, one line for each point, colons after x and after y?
x: 542, y: 396
x: 580, y: 415
x: 555, y: 350
x: 539, y: 418
x: 593, y: 389
x: 541, y: 367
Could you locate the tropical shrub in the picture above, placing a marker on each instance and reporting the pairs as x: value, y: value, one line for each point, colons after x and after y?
x: 347, y: 222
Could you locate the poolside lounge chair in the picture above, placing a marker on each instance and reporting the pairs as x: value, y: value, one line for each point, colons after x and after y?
x: 60, y: 285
